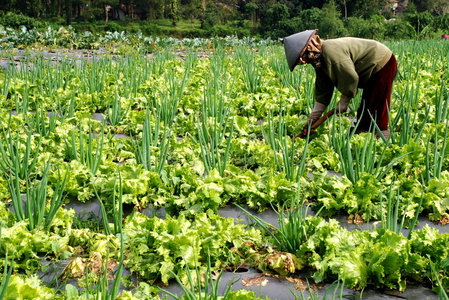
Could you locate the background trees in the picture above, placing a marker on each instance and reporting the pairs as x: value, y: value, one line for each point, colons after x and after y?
x: 273, y: 18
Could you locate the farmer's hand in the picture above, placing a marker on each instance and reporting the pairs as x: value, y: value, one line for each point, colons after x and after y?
x: 342, y: 105
x: 316, y: 113
x: 303, y: 134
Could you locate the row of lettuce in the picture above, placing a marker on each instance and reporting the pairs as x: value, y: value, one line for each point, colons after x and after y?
x: 251, y: 177
x: 114, y: 41
x: 154, y: 116
x: 157, y: 250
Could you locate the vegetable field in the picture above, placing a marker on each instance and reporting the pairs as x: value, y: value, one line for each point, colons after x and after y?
x: 122, y: 174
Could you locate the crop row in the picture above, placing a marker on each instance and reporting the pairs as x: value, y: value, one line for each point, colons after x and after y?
x: 195, y: 134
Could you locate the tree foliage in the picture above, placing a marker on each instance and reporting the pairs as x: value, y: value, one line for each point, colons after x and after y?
x: 267, y: 18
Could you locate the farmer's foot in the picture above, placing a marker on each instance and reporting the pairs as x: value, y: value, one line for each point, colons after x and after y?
x: 383, y: 133
x: 386, y: 133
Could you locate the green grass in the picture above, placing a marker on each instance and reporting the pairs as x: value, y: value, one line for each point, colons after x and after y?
x: 181, y: 25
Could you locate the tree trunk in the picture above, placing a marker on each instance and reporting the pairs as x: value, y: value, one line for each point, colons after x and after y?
x: 59, y: 8
x: 68, y: 11
x: 203, y: 13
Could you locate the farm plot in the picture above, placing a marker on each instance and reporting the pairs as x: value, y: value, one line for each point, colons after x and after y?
x: 122, y: 175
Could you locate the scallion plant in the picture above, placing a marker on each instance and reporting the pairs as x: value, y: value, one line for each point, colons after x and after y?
x: 117, y: 208
x: 251, y: 69
x: 358, y: 158
x: 42, y: 124
x: 435, y: 153
x: 215, y: 127
x: 332, y: 292
x: 158, y: 61
x: 136, y: 70
x: 33, y: 207
x: 94, y: 74
x: 8, y: 266
x: 390, y: 215
x: 116, y: 113
x: 409, y: 122
x: 65, y: 110
x: 291, y: 232
x: 22, y: 101
x: 287, y: 78
x: 436, y: 146
x: 442, y: 293
x: 152, y: 148
x: 5, y: 87
x: 442, y: 104
x: 82, y: 147
x: 18, y: 158
x: 390, y: 218
x: 103, y: 290
x: 195, y: 289
x: 283, y: 146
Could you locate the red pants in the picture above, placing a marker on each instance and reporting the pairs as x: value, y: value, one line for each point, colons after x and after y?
x: 376, y: 98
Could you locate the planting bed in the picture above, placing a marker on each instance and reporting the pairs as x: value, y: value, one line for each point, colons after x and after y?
x: 122, y: 175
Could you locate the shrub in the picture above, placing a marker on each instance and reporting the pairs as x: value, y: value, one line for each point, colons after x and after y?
x: 419, y: 20
x: 374, y: 28
x: 399, y: 29
x: 331, y: 25
x: 210, y: 19
x: 290, y: 26
x: 16, y: 21
x: 274, y: 19
x: 311, y: 18
x: 113, y: 26
x: 150, y: 29
x: 441, y: 22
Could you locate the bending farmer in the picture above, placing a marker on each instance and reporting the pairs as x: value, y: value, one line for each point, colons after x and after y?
x: 346, y: 64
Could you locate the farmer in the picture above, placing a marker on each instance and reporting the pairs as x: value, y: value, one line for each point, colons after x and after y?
x: 346, y: 64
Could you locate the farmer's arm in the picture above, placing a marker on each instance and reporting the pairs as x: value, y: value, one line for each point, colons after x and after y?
x: 324, y: 89
x: 346, y: 80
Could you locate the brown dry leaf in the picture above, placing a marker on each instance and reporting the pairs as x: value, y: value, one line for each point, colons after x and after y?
x: 95, y: 263
x: 77, y: 250
x: 392, y: 293
x: 76, y: 268
x: 119, y: 130
x: 282, y: 262
x: 249, y: 245
x: 443, y: 221
x: 215, y: 275
x: 258, y: 281
x: 356, y: 219
x: 300, y: 284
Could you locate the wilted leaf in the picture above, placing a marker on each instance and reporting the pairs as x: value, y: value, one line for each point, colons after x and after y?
x: 76, y: 268
x: 443, y: 221
x: 356, y: 219
x: 282, y: 262
x: 300, y: 285
x: 258, y: 281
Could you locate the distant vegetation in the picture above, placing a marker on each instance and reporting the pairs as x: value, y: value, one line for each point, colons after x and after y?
x: 378, y: 19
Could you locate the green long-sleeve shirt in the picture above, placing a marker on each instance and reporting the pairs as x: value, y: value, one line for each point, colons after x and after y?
x: 347, y: 64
